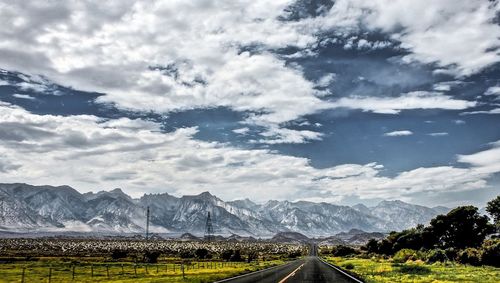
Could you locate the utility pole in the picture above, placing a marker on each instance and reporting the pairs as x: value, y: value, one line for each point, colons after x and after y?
x: 147, y: 223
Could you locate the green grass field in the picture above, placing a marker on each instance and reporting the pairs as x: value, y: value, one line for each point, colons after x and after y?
x: 380, y: 270
x: 62, y: 271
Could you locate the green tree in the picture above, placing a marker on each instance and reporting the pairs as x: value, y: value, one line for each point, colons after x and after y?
x: 151, y: 256
x: 371, y: 246
x: 461, y: 228
x: 252, y: 255
x: 342, y: 250
x: 201, y: 253
x: 493, y: 209
x: 227, y: 254
x: 236, y: 256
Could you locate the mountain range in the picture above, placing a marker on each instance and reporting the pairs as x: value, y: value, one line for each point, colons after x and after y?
x: 26, y: 207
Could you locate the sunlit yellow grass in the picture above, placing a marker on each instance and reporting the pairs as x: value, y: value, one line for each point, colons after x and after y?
x: 164, y: 272
x: 381, y: 270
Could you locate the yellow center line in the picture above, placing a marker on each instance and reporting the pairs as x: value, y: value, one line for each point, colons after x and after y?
x: 291, y: 274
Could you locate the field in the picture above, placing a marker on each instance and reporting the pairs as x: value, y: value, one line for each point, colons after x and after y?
x: 382, y: 270
x: 98, y: 270
x: 121, y: 260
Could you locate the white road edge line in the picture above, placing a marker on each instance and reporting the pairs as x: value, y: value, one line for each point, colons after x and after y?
x: 291, y: 274
x: 251, y: 273
x: 341, y: 271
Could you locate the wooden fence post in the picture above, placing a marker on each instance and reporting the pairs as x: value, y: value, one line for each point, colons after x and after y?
x: 182, y: 267
x: 107, y: 270
x: 22, y: 276
x: 73, y: 272
x: 50, y: 274
x: 91, y: 270
x: 122, y: 270
x: 135, y: 270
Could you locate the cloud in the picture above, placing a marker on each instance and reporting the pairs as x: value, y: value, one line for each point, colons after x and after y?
x: 91, y: 153
x: 446, y: 86
x: 190, y: 54
x: 399, y: 133
x: 462, y: 37
x: 23, y: 96
x: 284, y: 135
x: 494, y: 90
x: 241, y: 131
x: 175, y: 55
x: 486, y: 161
x: 491, y: 111
x: 362, y: 44
x: 411, y: 100
x: 326, y: 80
x: 439, y: 134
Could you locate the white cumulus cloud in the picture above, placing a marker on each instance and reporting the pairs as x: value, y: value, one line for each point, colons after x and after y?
x: 411, y: 100
x: 399, y: 133
x: 91, y: 153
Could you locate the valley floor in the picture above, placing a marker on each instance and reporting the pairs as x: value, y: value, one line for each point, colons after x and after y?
x: 381, y: 270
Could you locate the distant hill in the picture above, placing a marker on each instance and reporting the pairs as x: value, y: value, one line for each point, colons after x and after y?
x: 290, y: 237
x: 28, y: 208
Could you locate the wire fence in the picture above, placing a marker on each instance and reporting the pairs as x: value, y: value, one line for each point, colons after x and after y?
x: 67, y: 272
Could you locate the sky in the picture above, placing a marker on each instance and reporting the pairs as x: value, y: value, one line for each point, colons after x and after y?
x: 344, y: 101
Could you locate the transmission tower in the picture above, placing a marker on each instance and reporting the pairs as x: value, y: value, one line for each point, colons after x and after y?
x: 2, y: 211
x: 209, y: 230
x: 147, y: 223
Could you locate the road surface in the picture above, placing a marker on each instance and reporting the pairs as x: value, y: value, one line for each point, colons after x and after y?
x: 310, y: 269
x: 270, y: 275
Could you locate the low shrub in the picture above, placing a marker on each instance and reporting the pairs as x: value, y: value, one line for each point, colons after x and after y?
x: 294, y: 254
x: 414, y: 269
x: 343, y: 251
x: 252, y: 255
x: 151, y: 256
x: 404, y: 255
x: 491, y: 252
x: 451, y: 253
x: 436, y: 255
x: 187, y: 254
x: 470, y: 256
x: 118, y: 254
x: 348, y: 266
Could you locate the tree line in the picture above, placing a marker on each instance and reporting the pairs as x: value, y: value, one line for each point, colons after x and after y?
x: 462, y: 235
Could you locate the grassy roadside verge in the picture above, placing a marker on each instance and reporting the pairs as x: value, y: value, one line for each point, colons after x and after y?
x: 382, y: 270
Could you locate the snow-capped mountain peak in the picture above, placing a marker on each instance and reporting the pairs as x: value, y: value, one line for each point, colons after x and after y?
x: 65, y: 209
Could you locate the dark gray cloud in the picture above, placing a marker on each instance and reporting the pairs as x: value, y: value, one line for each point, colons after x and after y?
x: 19, y: 132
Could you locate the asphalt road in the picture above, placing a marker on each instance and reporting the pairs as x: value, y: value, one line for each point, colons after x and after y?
x: 271, y: 275
x: 314, y: 270
x: 310, y: 269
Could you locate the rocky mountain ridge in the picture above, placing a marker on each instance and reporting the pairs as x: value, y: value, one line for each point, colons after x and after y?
x: 48, y: 208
